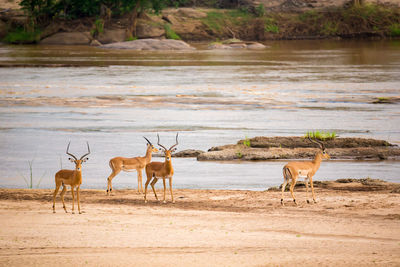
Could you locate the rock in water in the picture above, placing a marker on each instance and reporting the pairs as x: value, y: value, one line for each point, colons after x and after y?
x: 150, y: 44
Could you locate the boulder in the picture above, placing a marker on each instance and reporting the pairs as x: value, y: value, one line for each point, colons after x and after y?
x: 150, y: 44
x: 112, y: 36
x: 237, y: 45
x: 95, y: 43
x: 191, y: 13
x: 188, y: 153
x: 68, y: 38
x: 144, y: 30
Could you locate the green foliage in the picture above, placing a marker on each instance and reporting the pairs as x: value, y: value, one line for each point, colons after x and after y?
x: 20, y: 36
x: 329, y: 28
x: 131, y: 38
x: 310, y: 15
x: 321, y: 135
x: 176, y: 3
x: 239, y: 154
x: 170, y: 33
x: 260, y: 10
x: 98, y: 27
x: 271, y: 28
x: 270, y: 25
x: 394, y: 30
x: 214, y: 20
x: 247, y: 142
x: 356, y: 19
x: 219, y: 20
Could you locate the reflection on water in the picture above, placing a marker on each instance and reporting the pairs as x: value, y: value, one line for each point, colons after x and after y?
x: 113, y: 98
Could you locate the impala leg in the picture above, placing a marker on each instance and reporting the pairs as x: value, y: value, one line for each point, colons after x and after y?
x: 312, y: 189
x: 62, y: 197
x: 73, y: 199
x: 109, y: 179
x: 139, y: 181
x: 54, y: 197
x: 291, y: 190
x: 79, y: 203
x: 283, y: 190
x: 306, y: 182
x: 145, y: 188
x: 164, y: 189
x: 170, y: 188
x: 155, y: 180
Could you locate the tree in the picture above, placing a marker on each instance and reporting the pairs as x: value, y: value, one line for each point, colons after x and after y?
x: 135, y: 8
x: 358, y: 2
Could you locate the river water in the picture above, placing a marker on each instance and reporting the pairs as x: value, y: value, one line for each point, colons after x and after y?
x: 50, y: 95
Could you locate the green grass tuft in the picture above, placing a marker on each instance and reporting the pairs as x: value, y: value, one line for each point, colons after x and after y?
x: 321, y: 135
x: 170, y: 33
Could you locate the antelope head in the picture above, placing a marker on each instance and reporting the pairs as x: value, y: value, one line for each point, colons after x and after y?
x: 169, y: 151
x: 322, y: 147
x: 150, y: 145
x: 78, y: 162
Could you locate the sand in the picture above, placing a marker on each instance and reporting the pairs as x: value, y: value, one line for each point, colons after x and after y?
x: 203, y: 228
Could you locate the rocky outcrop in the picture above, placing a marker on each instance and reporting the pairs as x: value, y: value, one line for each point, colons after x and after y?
x: 150, y: 44
x: 269, y: 148
x: 109, y: 36
x: 186, y: 22
x: 236, y: 44
x: 148, y: 29
x: 68, y: 38
x: 188, y: 153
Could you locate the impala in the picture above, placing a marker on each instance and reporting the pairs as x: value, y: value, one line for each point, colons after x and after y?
x: 303, y: 169
x: 72, y: 178
x: 161, y: 170
x: 119, y: 164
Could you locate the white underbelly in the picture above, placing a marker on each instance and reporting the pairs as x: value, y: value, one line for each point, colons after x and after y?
x: 303, y: 173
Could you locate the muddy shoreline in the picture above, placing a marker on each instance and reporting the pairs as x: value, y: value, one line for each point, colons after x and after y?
x: 226, y: 227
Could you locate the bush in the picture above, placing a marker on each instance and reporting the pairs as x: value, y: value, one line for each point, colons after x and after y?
x: 170, y: 33
x: 20, y: 36
x: 394, y: 30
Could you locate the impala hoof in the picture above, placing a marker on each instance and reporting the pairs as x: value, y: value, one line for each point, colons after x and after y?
x: 308, y: 201
x: 294, y: 200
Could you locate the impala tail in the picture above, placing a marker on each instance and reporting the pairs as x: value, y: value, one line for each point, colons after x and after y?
x: 287, y: 175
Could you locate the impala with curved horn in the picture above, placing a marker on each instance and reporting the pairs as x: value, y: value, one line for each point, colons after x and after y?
x: 161, y: 170
x: 72, y: 178
x: 303, y: 169
x: 119, y: 164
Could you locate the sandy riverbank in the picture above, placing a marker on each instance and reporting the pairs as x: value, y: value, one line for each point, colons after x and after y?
x: 204, y: 228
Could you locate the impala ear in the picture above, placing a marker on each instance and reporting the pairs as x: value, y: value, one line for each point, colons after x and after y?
x: 173, y: 150
x: 85, y: 159
x: 71, y: 159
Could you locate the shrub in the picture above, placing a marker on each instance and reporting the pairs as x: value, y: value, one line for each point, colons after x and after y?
x: 170, y: 33
x: 394, y: 30
x: 20, y: 36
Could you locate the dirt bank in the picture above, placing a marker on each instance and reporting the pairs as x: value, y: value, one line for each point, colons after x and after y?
x: 267, y: 148
x: 254, y: 21
x: 203, y: 228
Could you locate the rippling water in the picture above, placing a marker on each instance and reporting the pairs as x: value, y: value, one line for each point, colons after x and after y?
x: 113, y: 98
